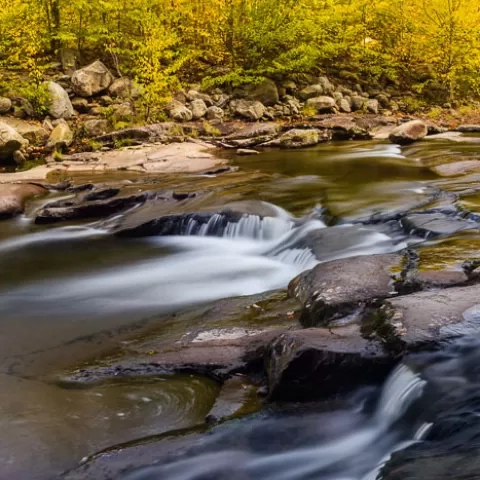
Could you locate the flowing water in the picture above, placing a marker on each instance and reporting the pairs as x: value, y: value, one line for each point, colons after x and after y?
x: 63, y: 284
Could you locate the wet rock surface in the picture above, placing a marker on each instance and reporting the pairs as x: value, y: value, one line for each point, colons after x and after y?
x: 344, y: 287
x: 435, y: 224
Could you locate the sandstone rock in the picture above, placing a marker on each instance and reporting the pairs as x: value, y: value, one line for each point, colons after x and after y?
x: 198, y: 108
x: 10, y: 140
x: 60, y: 104
x: 5, y: 105
x: 341, y: 288
x: 408, y: 132
x: 254, y: 130
x: 92, y: 79
x: 248, y: 109
x: 14, y: 195
x: 311, y: 91
x: 61, y: 137
x: 214, y: 113
x: 124, y: 87
x: 322, y: 104
x: 95, y: 127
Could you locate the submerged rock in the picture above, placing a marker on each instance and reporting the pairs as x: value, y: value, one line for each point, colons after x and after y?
x: 457, y: 168
x: 435, y: 224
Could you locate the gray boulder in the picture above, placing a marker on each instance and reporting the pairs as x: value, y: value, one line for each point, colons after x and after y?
x: 95, y: 127
x: 198, y: 108
x: 196, y: 95
x: 180, y: 113
x: 372, y: 106
x: 92, y: 79
x: 5, y: 105
x: 358, y: 103
x: 322, y: 104
x: 214, y: 113
x: 311, y: 91
x: 327, y: 86
x: 60, y: 104
x: 10, y: 140
x: 265, y: 92
x: 408, y: 132
x: 61, y: 137
x: 248, y: 109
x: 344, y: 105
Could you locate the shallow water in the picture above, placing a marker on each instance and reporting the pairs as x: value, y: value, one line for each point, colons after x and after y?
x: 60, y: 284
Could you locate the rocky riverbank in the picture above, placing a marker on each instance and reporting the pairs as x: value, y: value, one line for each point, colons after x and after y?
x: 91, y: 113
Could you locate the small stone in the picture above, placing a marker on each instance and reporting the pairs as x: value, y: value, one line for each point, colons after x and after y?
x: 5, y: 105
x: 61, y: 137
x: 95, y: 127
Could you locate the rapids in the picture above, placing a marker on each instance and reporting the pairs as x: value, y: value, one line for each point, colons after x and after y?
x: 69, y: 292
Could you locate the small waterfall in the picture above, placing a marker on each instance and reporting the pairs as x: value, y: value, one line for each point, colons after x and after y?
x: 247, y: 226
x: 353, y: 455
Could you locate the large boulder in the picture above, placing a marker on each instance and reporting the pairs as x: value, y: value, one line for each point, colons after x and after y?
x: 344, y: 105
x: 10, y: 140
x: 408, y: 132
x: 61, y: 137
x: 60, y: 104
x: 358, y: 103
x: 198, y: 109
x: 180, y: 113
x: 5, y: 105
x: 322, y: 104
x: 265, y: 92
x: 311, y: 91
x: 372, y: 106
x: 14, y: 195
x: 248, y: 109
x: 92, y: 79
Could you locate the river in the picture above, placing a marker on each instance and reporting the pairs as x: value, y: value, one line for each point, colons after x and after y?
x: 69, y: 292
